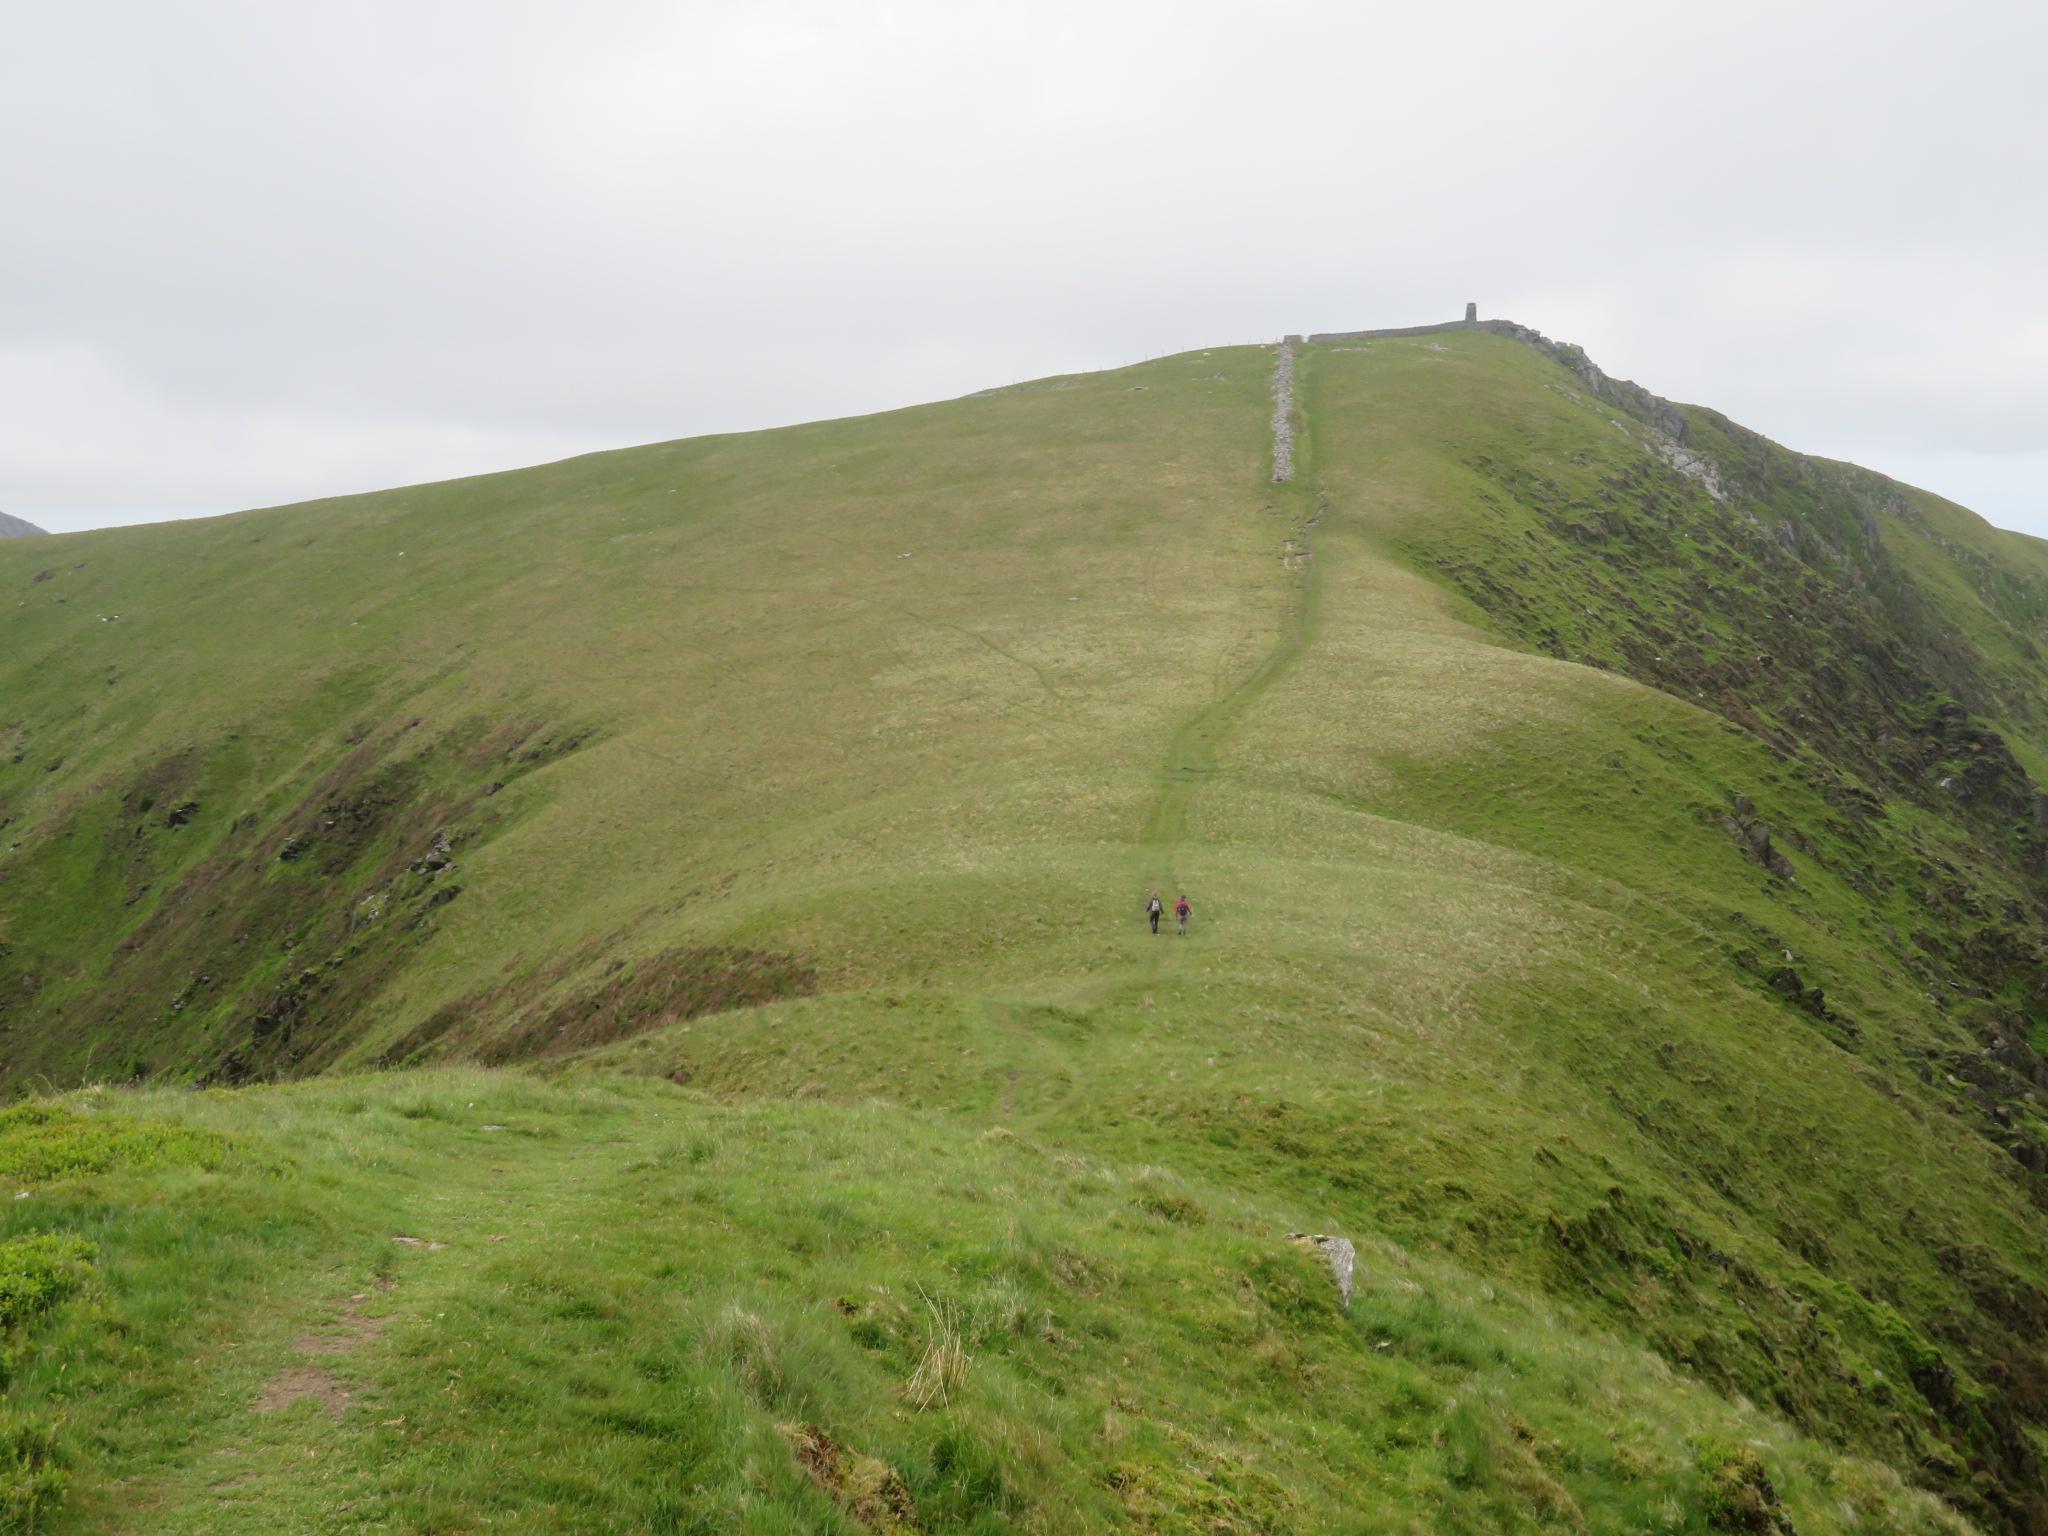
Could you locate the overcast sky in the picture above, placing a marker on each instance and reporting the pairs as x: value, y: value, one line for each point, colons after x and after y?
x: 257, y: 252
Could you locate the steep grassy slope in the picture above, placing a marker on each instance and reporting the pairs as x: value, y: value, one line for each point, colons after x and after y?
x: 1615, y: 987
x: 763, y: 654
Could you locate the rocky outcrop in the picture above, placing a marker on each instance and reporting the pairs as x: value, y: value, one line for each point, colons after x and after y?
x: 1753, y: 837
x: 1632, y: 398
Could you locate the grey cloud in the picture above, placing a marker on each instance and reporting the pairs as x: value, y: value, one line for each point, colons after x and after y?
x: 265, y: 252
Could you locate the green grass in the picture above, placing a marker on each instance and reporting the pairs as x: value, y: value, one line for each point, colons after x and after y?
x: 40, y: 1142
x: 979, y: 1207
x: 640, y: 1297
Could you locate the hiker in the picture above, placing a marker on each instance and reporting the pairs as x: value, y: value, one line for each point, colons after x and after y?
x: 1183, y: 912
x: 1153, y: 909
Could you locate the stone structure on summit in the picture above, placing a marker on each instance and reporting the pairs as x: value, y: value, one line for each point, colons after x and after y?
x: 1471, y: 322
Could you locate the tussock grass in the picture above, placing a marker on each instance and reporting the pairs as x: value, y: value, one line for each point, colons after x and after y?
x: 942, y: 1365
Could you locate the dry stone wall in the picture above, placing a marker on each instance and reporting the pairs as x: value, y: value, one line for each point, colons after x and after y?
x: 1283, y: 411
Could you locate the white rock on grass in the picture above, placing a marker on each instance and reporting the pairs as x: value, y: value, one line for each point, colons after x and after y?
x: 1342, y: 1257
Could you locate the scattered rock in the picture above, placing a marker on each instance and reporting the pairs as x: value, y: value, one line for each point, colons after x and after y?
x: 440, y: 855
x: 417, y: 1242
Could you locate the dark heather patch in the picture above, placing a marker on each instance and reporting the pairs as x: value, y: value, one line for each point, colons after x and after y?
x: 249, y: 947
x: 513, y: 1022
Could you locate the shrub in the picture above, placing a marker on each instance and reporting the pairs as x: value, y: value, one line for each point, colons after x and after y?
x: 41, y: 1141
x: 38, y: 1272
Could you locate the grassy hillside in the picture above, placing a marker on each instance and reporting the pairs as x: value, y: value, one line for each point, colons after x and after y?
x: 620, y: 1308
x: 1619, y: 897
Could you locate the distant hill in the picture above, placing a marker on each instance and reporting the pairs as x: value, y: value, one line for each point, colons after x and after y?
x: 1619, y: 855
x: 15, y: 528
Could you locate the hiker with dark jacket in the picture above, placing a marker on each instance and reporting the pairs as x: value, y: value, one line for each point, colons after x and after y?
x: 1153, y: 909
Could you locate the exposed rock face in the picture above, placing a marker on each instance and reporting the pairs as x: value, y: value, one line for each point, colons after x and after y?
x: 15, y: 528
x: 1753, y: 837
x: 1633, y: 398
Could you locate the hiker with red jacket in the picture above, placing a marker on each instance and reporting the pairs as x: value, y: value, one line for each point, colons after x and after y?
x: 1183, y: 912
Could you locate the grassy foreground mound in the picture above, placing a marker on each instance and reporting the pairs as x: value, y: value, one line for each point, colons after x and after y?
x: 464, y: 1301
x: 1620, y: 871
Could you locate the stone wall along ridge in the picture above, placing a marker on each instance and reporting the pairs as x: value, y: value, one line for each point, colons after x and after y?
x: 1283, y: 410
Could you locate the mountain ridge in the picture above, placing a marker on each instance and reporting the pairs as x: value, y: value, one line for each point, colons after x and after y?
x: 1616, y: 853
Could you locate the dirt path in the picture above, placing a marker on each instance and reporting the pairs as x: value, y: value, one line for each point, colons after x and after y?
x: 1194, y: 756
x: 306, y: 1424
